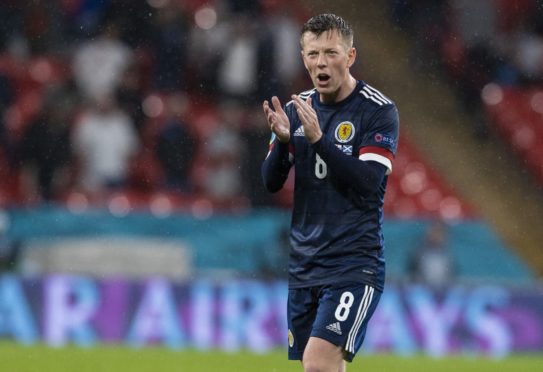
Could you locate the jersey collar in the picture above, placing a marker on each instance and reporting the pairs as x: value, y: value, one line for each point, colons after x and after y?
x: 359, y: 85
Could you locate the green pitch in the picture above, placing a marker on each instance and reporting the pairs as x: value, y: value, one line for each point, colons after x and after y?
x: 39, y: 358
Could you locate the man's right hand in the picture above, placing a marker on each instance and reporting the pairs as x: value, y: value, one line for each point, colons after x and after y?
x: 277, y: 119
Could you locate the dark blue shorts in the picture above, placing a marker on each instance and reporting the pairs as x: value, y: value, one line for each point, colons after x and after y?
x: 338, y: 313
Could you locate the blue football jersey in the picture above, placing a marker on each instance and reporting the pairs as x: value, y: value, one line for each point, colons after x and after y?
x: 336, y: 233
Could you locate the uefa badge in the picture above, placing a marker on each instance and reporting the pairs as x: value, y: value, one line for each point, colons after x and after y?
x: 344, y: 132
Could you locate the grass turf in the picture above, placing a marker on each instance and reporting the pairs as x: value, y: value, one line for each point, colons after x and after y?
x: 40, y: 358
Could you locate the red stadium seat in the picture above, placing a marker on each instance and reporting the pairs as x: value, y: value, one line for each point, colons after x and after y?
x: 415, y: 190
x: 518, y: 118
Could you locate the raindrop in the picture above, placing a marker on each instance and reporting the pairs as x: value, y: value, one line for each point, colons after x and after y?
x: 450, y: 208
x: 41, y: 71
x: 536, y: 102
x: 430, y: 199
x: 202, y: 209
x: 492, y: 94
x: 157, y: 4
x: 161, y: 206
x: 119, y: 206
x: 524, y: 137
x: 153, y: 106
x: 77, y: 203
x: 205, y: 18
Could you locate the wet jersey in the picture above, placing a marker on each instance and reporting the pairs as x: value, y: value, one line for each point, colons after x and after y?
x: 336, y: 233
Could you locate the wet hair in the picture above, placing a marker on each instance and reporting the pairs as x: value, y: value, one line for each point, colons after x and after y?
x: 328, y: 22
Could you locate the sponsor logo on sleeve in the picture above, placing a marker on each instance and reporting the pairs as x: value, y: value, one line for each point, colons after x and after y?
x: 380, y: 138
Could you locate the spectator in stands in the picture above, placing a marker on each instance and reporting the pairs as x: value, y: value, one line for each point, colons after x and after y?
x: 472, y: 28
x: 45, y: 147
x: 132, y: 18
x: 255, y: 134
x: 99, y: 64
x: 528, y: 57
x: 224, y: 149
x: 176, y: 145
x: 6, y: 99
x: 83, y: 18
x: 432, y: 262
x: 11, y: 23
x: 204, y: 55
x: 287, y: 67
x: 427, y: 22
x: 42, y: 26
x: 170, y: 45
x: 237, y: 69
x: 108, y: 50
x: 268, y: 82
x: 9, y: 248
x: 248, y: 7
x: 104, y: 142
x: 129, y: 94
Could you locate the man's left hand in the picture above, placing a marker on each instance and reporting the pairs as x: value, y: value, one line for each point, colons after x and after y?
x: 309, y: 119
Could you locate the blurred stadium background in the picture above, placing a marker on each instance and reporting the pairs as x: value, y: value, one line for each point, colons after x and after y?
x: 131, y: 206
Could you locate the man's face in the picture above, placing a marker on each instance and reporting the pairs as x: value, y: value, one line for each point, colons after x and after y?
x: 327, y: 58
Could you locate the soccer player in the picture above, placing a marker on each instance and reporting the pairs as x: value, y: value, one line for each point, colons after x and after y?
x: 341, y: 136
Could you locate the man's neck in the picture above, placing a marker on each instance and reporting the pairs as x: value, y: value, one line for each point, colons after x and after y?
x: 343, y: 92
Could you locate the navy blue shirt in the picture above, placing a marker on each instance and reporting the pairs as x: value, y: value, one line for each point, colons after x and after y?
x: 340, y: 181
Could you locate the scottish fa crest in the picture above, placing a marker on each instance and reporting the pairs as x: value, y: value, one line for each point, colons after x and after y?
x: 344, y: 132
x: 290, y: 338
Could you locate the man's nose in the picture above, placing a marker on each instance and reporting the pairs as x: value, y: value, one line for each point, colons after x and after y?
x: 321, y: 61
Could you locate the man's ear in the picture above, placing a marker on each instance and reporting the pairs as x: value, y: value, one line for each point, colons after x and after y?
x: 352, y: 56
x: 303, y: 59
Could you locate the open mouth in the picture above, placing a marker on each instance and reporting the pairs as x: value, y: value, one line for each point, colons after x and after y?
x: 323, y: 78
